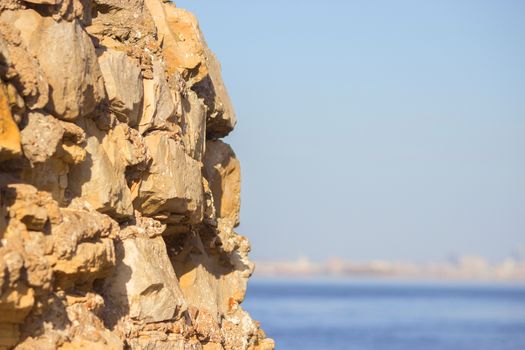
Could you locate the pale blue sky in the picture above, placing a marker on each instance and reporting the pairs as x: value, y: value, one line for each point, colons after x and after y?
x: 376, y: 129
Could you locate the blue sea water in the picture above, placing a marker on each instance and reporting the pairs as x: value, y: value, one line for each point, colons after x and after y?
x: 388, y: 315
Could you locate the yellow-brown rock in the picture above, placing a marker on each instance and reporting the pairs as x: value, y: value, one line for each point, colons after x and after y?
x: 159, y: 107
x: 123, y: 83
x: 41, y: 137
x: 189, y: 45
x: 33, y: 208
x: 51, y: 146
x: 193, y: 124
x: 19, y: 67
x: 90, y: 261
x: 9, y: 134
x: 101, y: 178
x: 152, y: 294
x: 223, y: 172
x: 117, y: 200
x: 42, y: 2
x: 171, y: 190
x: 178, y: 30
x: 221, y: 118
x: 212, y: 346
x: 212, y: 276
x: 67, y: 58
x: 50, y: 176
x: 186, y: 52
x: 15, y: 304
x: 9, y: 335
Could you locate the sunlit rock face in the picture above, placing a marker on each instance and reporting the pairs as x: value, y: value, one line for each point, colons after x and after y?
x: 118, y: 200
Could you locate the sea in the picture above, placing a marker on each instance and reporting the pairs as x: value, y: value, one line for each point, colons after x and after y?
x: 367, y: 314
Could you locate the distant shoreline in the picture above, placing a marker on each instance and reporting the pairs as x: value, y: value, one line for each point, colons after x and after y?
x: 466, y: 269
x: 373, y: 280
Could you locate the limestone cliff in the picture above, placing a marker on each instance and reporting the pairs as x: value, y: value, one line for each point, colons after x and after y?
x: 118, y: 200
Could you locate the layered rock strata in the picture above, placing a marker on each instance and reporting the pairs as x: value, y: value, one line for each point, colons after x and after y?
x: 118, y: 201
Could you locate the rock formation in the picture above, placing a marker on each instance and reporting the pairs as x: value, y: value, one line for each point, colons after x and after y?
x: 118, y: 201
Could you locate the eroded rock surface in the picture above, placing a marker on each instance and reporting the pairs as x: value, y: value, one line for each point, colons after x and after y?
x: 223, y: 172
x: 10, y: 146
x: 171, y: 189
x: 123, y: 82
x: 118, y: 202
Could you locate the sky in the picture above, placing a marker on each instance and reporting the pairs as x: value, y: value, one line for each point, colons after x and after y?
x: 375, y: 129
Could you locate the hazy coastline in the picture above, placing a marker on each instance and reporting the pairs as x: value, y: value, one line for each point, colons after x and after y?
x: 464, y: 268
